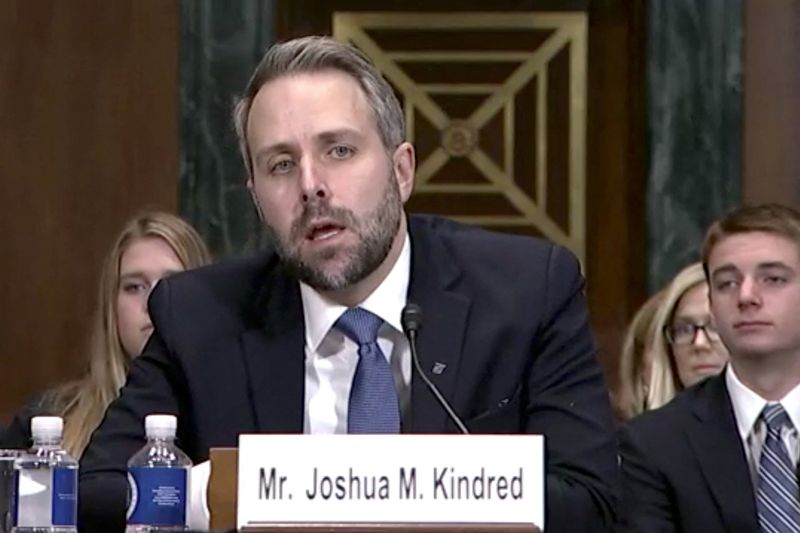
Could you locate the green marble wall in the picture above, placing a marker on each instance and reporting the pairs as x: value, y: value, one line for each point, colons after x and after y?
x: 221, y: 42
x: 694, y: 100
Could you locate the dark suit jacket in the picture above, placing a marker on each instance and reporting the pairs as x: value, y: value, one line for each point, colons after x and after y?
x: 506, y: 314
x: 684, y: 467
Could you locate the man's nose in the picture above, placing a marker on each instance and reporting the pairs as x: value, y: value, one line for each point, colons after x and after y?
x: 314, y: 186
x: 748, y: 293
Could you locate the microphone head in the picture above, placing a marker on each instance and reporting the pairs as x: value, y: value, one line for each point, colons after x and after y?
x: 411, y: 318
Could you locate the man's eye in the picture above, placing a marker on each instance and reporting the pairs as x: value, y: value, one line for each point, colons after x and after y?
x: 774, y: 280
x: 282, y: 167
x: 341, y: 152
x: 725, y: 284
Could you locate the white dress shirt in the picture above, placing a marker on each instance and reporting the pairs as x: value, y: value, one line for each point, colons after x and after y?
x: 331, y: 357
x: 747, y: 407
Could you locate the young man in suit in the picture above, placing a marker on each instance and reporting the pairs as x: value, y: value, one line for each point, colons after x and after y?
x: 270, y: 344
x: 722, y: 456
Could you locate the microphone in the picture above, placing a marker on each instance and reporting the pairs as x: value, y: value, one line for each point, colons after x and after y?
x: 411, y: 319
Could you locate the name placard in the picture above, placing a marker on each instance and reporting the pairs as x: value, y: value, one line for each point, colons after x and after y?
x: 391, y: 478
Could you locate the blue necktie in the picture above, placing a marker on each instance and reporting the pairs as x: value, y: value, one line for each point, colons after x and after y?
x: 777, y: 498
x: 373, y: 406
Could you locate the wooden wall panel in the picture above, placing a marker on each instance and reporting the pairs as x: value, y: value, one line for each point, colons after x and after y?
x: 616, y: 163
x: 88, y: 136
x: 771, y: 101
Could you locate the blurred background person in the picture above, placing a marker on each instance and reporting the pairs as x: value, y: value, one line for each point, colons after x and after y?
x: 671, y: 344
x: 150, y: 246
x: 686, y: 347
x: 636, y: 359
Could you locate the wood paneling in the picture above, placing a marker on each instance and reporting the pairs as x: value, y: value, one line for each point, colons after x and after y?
x: 616, y: 173
x: 88, y: 136
x: 771, y: 101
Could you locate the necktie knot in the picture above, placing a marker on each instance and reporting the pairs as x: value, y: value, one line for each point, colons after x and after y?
x: 775, y: 417
x: 359, y: 325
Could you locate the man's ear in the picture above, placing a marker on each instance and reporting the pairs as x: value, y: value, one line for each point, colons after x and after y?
x: 404, y: 163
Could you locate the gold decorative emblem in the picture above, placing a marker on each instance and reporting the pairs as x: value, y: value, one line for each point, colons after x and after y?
x: 495, y: 104
x: 458, y: 138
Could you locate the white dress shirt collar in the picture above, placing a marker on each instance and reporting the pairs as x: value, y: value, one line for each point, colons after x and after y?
x: 747, y: 404
x: 386, y: 301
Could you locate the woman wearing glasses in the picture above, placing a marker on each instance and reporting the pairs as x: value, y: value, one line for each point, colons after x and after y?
x: 678, y: 345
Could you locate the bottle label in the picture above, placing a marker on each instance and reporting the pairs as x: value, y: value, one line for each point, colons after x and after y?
x: 157, y: 496
x: 12, y: 519
x: 65, y: 496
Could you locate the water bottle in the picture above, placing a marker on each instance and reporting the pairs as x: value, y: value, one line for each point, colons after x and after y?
x: 158, y: 476
x: 47, y: 482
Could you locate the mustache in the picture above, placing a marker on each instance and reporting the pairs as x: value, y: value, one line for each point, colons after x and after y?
x: 316, y: 210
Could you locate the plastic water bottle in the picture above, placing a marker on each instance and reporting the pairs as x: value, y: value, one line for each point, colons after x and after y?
x: 158, y: 476
x: 47, y: 482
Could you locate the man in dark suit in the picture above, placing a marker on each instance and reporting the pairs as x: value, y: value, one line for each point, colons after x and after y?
x: 260, y: 345
x: 722, y: 456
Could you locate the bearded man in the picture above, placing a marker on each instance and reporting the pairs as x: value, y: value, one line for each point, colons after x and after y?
x: 274, y: 344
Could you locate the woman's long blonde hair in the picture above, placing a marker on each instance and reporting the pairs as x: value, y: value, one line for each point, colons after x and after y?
x: 664, y: 383
x: 635, y: 360
x: 648, y: 377
x: 83, y: 403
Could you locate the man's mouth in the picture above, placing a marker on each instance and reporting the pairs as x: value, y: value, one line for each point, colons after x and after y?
x: 323, y: 231
x: 750, y: 324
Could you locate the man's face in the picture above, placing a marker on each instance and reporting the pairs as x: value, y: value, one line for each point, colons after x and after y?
x: 755, y: 293
x: 331, y: 193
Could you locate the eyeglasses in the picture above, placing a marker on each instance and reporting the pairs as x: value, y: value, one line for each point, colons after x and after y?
x: 684, y: 333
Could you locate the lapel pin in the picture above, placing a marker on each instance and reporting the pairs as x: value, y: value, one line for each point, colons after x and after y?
x: 438, y: 368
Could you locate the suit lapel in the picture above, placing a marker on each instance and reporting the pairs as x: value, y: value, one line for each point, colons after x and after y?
x: 440, y: 340
x: 717, y: 444
x: 274, y: 356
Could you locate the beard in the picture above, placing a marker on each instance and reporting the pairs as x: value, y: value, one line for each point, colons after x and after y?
x: 375, y: 230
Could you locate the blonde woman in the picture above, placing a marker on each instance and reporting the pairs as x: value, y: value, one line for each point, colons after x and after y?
x: 636, y: 360
x: 150, y: 246
x: 686, y: 346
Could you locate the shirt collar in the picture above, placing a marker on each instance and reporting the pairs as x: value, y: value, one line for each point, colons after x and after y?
x: 747, y: 404
x: 386, y: 301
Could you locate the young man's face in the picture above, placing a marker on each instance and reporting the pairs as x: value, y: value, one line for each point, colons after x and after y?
x: 755, y: 293
x: 331, y: 193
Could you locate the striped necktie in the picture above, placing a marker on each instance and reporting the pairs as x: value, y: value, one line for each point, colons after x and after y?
x: 777, y: 498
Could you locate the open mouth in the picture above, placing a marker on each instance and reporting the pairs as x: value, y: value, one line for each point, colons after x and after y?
x: 324, y: 231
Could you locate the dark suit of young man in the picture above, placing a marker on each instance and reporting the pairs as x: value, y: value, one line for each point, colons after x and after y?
x: 505, y: 314
x: 684, y: 467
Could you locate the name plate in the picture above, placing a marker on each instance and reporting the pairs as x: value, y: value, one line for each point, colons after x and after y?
x: 391, y: 478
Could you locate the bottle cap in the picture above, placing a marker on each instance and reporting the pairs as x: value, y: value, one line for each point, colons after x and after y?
x: 160, y: 426
x: 47, y: 427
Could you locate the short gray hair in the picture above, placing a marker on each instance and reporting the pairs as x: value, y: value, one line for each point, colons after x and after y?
x: 314, y: 54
